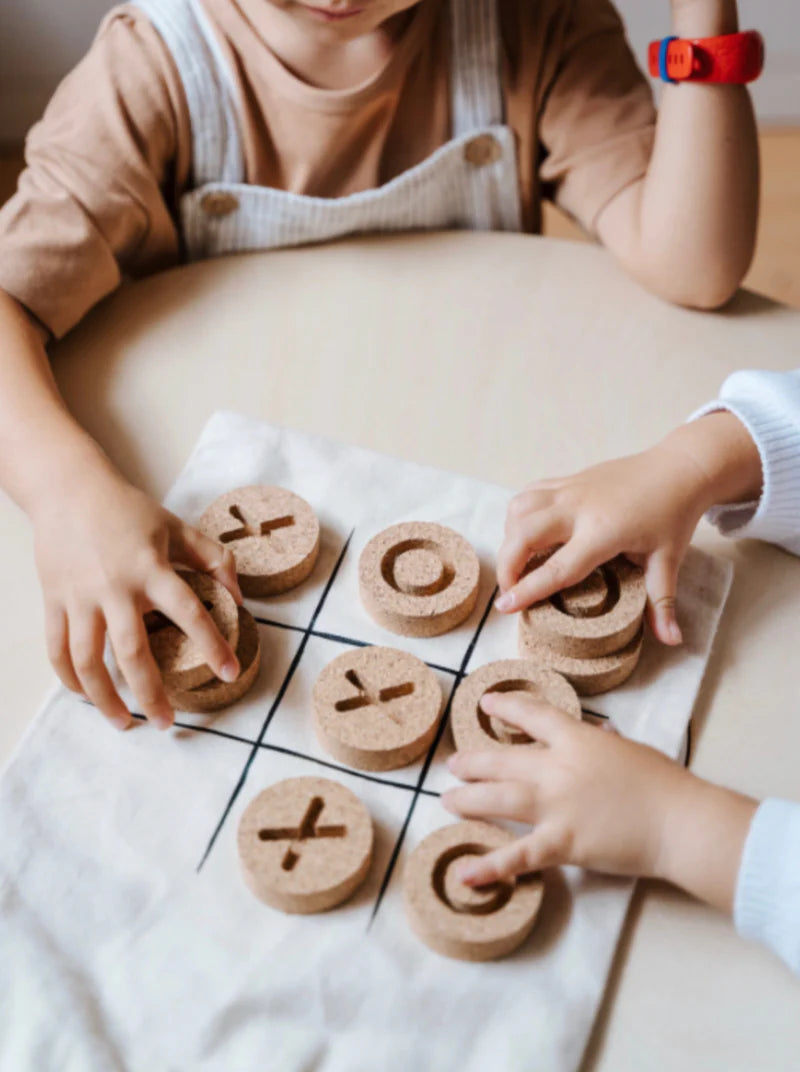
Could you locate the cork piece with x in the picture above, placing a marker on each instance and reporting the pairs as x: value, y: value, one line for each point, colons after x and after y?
x: 273, y: 534
x: 376, y: 708
x: 305, y: 844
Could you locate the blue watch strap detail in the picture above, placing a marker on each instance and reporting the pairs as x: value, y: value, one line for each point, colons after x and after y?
x: 662, y: 59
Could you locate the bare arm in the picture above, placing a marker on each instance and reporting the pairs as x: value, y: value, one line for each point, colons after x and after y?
x: 687, y: 229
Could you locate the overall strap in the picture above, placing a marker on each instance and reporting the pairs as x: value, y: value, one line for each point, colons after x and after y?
x: 476, y: 90
x: 216, y: 144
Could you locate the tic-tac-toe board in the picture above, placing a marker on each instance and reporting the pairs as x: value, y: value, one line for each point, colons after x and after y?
x: 153, y: 950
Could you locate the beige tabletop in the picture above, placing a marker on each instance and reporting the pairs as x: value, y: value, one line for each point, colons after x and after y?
x: 506, y: 358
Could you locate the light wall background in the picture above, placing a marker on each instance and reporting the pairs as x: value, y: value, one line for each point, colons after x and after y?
x: 41, y: 39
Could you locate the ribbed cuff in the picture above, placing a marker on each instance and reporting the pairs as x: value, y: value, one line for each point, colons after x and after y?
x: 767, y: 902
x: 768, y: 405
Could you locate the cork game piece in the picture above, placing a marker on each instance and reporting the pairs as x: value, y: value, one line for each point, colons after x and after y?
x: 592, y: 632
x: 305, y: 844
x: 216, y: 694
x: 179, y: 660
x: 273, y: 534
x: 376, y: 709
x: 473, y: 729
x: 460, y: 921
x: 418, y: 578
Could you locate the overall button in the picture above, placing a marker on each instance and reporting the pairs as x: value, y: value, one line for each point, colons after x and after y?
x: 484, y: 149
x: 219, y: 203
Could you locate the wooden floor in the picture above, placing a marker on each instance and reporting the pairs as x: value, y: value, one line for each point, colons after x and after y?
x: 776, y: 268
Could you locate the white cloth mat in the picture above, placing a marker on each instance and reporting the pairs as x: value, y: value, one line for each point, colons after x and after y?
x: 119, y: 951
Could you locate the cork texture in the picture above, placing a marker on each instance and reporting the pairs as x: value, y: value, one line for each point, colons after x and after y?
x: 473, y: 729
x: 418, y: 578
x: 274, y: 536
x: 376, y: 708
x: 589, y: 677
x: 305, y: 844
x: 177, y: 657
x: 597, y: 617
x: 216, y: 694
x: 456, y: 920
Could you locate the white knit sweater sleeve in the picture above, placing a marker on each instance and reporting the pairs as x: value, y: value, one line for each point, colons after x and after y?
x: 768, y: 404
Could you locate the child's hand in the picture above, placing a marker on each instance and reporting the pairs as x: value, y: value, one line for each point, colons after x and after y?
x: 104, y: 553
x: 645, y: 506
x: 599, y: 801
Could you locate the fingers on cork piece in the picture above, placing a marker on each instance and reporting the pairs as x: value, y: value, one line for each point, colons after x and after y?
x: 305, y: 844
x: 460, y: 921
x: 473, y: 729
x: 376, y: 709
x: 216, y: 694
x: 418, y: 578
x: 181, y: 664
x: 273, y: 534
x: 592, y: 632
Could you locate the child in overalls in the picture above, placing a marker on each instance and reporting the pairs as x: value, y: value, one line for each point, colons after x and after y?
x: 199, y: 127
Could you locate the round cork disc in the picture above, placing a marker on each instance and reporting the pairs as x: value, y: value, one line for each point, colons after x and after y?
x: 273, y: 534
x: 473, y: 729
x: 597, y: 617
x: 589, y: 677
x: 179, y: 660
x: 305, y: 844
x: 457, y: 920
x: 418, y: 578
x: 216, y: 694
x: 376, y: 708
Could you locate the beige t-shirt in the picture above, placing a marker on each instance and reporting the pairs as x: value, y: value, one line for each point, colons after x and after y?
x: 109, y: 160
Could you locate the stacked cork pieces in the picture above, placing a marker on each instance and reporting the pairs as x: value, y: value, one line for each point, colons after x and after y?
x: 418, y: 579
x: 474, y: 730
x: 190, y: 682
x: 592, y: 632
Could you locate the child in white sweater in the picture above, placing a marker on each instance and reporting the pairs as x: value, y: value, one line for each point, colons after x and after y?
x: 596, y: 799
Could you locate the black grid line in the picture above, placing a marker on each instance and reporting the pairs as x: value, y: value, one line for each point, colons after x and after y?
x: 387, y: 877
x: 301, y: 647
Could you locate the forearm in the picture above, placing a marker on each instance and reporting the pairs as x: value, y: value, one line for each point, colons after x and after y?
x: 703, y: 832
x: 41, y: 444
x: 687, y: 229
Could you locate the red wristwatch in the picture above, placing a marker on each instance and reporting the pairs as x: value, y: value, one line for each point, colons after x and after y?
x: 731, y: 58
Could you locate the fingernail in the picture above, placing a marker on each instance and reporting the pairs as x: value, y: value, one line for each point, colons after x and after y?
x: 229, y: 672
x: 161, y: 722
x: 467, y: 874
x: 505, y: 601
x: 444, y: 800
x: 122, y: 723
x: 674, y: 633
x: 452, y: 762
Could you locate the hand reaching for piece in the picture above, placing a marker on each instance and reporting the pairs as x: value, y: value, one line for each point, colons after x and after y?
x: 599, y: 801
x: 105, y: 555
x: 645, y: 506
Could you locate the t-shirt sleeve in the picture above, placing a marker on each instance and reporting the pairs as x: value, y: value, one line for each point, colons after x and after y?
x: 103, y: 170
x: 598, y: 119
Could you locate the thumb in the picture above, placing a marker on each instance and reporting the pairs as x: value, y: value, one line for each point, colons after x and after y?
x: 661, y: 580
x: 192, y: 548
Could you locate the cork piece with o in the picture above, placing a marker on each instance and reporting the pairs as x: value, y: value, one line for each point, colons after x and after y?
x: 181, y: 664
x: 418, y: 578
x: 473, y: 729
x: 376, y: 708
x: 305, y: 844
x: 460, y: 921
x: 273, y: 534
x: 215, y: 695
x: 591, y: 632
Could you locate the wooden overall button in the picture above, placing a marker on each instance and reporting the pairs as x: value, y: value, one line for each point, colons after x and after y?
x: 457, y: 920
x: 481, y: 150
x: 305, y: 844
x: 273, y: 534
x: 376, y: 708
x: 216, y: 694
x: 418, y: 578
x: 473, y: 729
x: 218, y: 203
x: 179, y: 660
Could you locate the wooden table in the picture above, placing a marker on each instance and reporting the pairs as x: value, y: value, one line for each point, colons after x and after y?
x: 507, y: 358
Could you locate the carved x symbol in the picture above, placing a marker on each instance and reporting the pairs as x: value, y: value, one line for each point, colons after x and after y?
x: 306, y: 830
